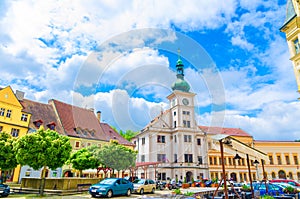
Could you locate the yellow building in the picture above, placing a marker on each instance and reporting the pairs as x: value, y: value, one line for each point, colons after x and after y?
x: 283, y: 159
x: 13, y: 118
x: 291, y: 28
x: 236, y: 170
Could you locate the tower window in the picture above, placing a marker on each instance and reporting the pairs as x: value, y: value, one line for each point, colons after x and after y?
x: 161, y: 139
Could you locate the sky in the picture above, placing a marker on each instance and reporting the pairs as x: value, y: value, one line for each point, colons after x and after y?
x: 119, y: 57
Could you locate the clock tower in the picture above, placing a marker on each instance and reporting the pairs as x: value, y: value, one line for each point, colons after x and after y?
x: 182, y: 101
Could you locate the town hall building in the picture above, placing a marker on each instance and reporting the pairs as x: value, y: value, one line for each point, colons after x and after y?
x: 173, y: 139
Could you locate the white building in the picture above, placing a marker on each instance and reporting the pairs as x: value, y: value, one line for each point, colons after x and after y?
x: 174, y: 138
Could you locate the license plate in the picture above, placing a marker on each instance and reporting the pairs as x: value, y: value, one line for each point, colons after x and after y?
x: 94, y: 190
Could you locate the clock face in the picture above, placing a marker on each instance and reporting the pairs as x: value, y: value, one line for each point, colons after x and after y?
x: 185, y: 101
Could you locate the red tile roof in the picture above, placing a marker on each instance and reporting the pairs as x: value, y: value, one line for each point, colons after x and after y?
x: 112, y: 134
x: 73, y: 117
x: 42, y: 112
x: 227, y: 131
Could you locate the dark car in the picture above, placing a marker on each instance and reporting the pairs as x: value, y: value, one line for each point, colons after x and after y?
x: 110, y: 187
x: 4, y: 190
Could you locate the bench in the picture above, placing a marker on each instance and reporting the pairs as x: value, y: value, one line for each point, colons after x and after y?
x: 83, y: 187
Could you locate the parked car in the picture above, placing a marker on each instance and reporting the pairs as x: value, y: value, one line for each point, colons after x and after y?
x: 110, y: 187
x: 4, y: 190
x: 273, y: 189
x: 292, y: 182
x: 131, y: 178
x: 144, y: 185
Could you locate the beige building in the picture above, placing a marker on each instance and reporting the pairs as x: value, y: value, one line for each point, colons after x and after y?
x: 291, y: 28
x: 283, y: 159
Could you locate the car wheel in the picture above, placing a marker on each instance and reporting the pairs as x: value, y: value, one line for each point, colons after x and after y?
x: 153, y: 190
x: 109, y: 193
x: 128, y: 192
x: 142, y: 191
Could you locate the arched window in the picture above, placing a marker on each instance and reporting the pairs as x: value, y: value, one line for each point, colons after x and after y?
x: 281, y: 174
x: 273, y: 175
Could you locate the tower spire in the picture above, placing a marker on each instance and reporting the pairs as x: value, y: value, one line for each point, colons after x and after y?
x: 180, y: 83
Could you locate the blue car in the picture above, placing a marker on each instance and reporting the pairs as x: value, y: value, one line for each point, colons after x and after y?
x: 4, y: 190
x: 110, y: 187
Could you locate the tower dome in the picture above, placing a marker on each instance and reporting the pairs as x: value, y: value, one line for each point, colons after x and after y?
x: 180, y: 84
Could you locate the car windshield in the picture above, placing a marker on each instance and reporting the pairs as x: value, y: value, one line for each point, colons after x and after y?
x: 107, y: 181
x: 139, y: 181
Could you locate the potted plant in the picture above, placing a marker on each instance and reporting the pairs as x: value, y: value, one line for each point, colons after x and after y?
x: 193, y: 183
x: 245, y: 188
x: 289, y: 190
x: 185, y: 184
x: 214, y: 182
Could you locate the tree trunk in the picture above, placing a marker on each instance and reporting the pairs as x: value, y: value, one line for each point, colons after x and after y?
x: 80, y: 173
x: 43, y: 179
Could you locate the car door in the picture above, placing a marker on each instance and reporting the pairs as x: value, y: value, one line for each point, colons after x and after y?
x: 125, y: 186
x: 117, y: 187
x: 147, y: 186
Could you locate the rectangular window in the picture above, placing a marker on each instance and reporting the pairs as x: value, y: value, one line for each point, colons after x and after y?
x: 143, y: 141
x: 188, y: 158
x: 296, y: 159
x: 200, y: 160
x: 287, y: 159
x: 187, y: 138
x: 15, y: 132
x: 174, y: 124
x: 8, y: 113
x: 186, y: 112
x: 279, y: 160
x: 174, y: 113
x: 271, y: 159
x: 142, y: 158
x: 2, y: 111
x: 77, y: 144
x: 24, y: 117
x: 175, y: 158
x: 175, y: 138
x: 184, y: 123
x: 229, y: 161
x: 161, y: 139
x: 297, y: 46
x: 161, y: 158
x: 243, y: 161
x: 220, y: 161
x: 183, y: 112
x: 198, y: 141
x: 161, y: 176
x: 210, y: 160
x: 188, y: 124
x: 215, y: 160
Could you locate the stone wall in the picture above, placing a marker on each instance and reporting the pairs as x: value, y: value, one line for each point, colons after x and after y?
x: 58, y: 183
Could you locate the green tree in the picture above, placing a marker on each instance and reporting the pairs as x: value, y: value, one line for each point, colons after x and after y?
x: 116, y: 156
x: 7, y: 154
x: 128, y: 134
x: 84, y: 159
x: 42, y: 149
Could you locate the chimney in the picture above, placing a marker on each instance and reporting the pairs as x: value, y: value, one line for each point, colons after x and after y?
x: 99, y: 115
x: 20, y: 95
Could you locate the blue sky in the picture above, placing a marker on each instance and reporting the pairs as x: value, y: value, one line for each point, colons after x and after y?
x: 120, y: 59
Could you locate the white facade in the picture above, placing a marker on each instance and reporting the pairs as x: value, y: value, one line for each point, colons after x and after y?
x: 174, y: 139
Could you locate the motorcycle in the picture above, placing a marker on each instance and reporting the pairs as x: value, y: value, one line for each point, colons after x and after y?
x: 174, y: 185
x: 160, y: 185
